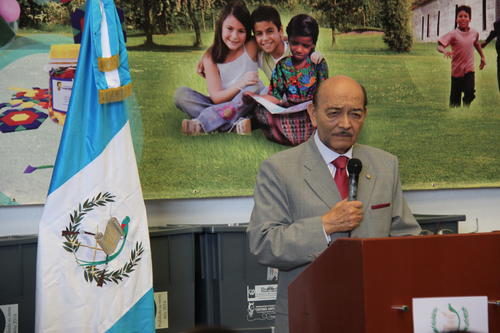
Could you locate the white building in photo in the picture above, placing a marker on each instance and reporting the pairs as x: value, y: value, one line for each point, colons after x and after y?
x: 434, y: 18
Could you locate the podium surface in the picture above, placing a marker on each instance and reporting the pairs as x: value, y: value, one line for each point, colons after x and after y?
x: 353, y: 285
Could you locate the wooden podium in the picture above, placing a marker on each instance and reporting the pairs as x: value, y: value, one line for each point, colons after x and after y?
x: 353, y: 286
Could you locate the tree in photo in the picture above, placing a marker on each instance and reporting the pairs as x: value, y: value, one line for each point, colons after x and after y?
x: 166, y: 16
x: 396, y: 23
x: 345, y: 15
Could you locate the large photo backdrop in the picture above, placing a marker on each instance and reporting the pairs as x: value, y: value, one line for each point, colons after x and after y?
x: 408, y: 113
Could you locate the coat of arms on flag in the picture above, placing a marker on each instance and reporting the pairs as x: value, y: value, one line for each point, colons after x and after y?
x: 94, y: 269
x: 96, y: 254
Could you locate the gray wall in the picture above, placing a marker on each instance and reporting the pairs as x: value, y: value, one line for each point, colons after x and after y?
x: 482, y: 205
x: 446, y: 9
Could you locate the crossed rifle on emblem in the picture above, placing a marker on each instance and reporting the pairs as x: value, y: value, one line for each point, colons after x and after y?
x: 106, y: 242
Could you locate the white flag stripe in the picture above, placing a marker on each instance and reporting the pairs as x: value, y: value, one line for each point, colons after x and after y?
x: 109, y: 169
x: 112, y: 77
x: 61, y: 283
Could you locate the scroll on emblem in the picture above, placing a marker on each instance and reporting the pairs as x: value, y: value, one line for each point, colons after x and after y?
x: 112, y: 235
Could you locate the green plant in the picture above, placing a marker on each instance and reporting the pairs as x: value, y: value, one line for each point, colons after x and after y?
x: 396, y: 24
x: 43, y: 17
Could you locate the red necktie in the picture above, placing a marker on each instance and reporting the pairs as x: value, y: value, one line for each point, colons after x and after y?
x: 340, y: 177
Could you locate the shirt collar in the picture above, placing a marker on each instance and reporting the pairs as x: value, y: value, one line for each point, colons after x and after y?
x: 328, y: 154
x: 285, y: 53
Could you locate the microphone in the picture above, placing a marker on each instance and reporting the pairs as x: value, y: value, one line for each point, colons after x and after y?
x: 354, y: 167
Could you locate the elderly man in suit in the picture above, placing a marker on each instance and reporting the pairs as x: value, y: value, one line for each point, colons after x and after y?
x: 300, y: 209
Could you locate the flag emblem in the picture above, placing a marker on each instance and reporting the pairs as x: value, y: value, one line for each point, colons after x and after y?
x: 95, y: 251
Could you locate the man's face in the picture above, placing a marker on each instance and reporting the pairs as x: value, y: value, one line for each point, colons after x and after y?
x: 267, y: 36
x: 339, y: 113
x: 463, y: 20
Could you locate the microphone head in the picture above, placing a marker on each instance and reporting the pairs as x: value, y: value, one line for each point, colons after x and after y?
x: 354, y: 166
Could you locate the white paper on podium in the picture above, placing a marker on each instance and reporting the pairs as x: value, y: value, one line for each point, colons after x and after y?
x: 444, y: 314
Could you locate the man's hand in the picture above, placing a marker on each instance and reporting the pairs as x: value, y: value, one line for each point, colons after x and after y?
x: 448, y: 54
x: 248, y: 79
x: 483, y: 63
x: 316, y: 57
x: 344, y: 216
x: 200, y: 66
x: 247, y: 97
x: 200, y: 69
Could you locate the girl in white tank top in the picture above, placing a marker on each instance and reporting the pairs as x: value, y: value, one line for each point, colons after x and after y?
x: 230, y: 69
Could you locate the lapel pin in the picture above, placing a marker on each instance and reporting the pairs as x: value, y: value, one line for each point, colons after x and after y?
x: 368, y: 176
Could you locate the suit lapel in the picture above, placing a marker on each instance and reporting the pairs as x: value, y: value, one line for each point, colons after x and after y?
x: 320, y: 180
x: 317, y: 175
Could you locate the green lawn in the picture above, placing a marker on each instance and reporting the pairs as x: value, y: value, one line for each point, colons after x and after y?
x: 408, y: 116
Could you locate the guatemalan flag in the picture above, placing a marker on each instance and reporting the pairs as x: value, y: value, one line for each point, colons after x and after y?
x: 94, y: 269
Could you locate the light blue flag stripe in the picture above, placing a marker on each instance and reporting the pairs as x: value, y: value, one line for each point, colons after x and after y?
x: 89, y: 126
x: 139, y: 316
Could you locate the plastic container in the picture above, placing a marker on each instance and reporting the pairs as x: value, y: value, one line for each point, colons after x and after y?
x: 62, y: 67
x: 233, y: 289
x: 439, y: 224
x: 174, y: 262
x: 17, y: 289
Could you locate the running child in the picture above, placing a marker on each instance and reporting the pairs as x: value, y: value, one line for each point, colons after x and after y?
x: 463, y: 40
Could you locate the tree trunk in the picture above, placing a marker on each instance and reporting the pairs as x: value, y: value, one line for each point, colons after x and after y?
x: 203, y: 20
x: 196, y: 26
x: 332, y: 19
x: 162, y: 19
x: 148, y: 28
x: 213, y: 20
x: 332, y: 26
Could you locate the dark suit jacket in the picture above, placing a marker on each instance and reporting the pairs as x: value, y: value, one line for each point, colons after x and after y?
x: 295, y: 188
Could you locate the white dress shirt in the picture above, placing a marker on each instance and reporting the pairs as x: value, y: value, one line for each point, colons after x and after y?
x: 329, y: 156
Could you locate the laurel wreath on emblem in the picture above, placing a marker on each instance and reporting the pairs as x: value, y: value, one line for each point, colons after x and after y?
x: 91, y: 273
x: 464, y: 311
x: 466, y: 318
x: 433, y: 320
x: 72, y: 244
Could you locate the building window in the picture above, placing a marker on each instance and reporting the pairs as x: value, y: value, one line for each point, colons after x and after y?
x: 422, y: 28
x: 484, y: 14
x: 428, y: 19
x: 439, y: 18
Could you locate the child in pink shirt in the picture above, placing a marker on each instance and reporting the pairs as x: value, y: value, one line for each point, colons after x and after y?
x: 463, y: 40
